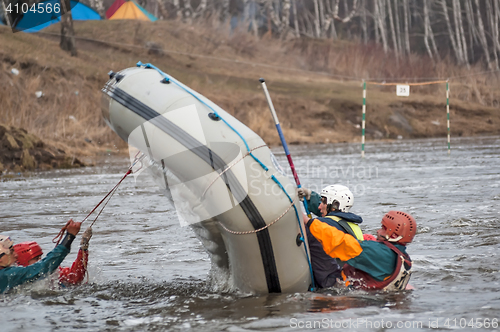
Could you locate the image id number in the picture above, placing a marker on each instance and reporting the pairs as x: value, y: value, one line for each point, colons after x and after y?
x: 37, y: 8
x: 474, y: 323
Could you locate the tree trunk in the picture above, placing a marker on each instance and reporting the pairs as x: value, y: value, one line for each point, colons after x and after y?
x: 494, y: 28
x: 187, y: 12
x: 495, y: 21
x: 381, y: 23
x: 322, y: 22
x: 393, y: 30
x: 426, y: 29
x: 201, y: 9
x: 67, y: 33
x: 459, y: 26
x: 98, y: 6
x: 364, y: 24
x: 309, y: 25
x: 285, y: 19
x: 406, y: 9
x: 482, y: 36
x: 163, y: 13
x: 398, y: 27
x: 224, y: 14
x: 458, y: 54
x: 375, y: 21
x: 295, y: 18
x: 177, y: 9
x: 317, y: 25
x: 473, y: 38
x: 433, y: 43
x: 6, y: 15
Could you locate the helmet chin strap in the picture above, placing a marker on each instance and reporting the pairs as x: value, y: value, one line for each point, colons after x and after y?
x: 394, y: 239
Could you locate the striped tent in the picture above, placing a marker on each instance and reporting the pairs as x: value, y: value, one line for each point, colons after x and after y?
x: 131, y: 10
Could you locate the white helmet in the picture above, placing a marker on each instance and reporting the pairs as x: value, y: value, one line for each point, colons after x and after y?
x: 340, y: 194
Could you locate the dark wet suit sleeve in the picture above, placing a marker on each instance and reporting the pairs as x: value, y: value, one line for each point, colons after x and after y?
x: 313, y: 203
x: 13, y: 276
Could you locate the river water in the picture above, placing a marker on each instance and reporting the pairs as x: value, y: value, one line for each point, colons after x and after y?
x: 148, y: 273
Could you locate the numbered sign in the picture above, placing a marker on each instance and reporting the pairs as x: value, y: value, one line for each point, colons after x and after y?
x: 403, y: 90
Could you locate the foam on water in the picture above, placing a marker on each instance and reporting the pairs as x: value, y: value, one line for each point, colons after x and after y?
x: 148, y: 273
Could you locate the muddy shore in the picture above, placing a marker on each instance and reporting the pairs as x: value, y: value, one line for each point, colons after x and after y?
x: 21, y: 151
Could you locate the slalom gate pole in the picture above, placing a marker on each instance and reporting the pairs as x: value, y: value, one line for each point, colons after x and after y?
x: 283, y: 141
x: 448, y: 114
x: 363, y: 122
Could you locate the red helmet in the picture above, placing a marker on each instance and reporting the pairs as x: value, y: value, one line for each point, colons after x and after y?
x: 26, y: 251
x: 399, y: 227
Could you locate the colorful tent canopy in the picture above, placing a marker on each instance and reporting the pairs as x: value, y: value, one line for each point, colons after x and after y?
x: 31, y: 22
x: 131, y: 10
x: 114, y: 7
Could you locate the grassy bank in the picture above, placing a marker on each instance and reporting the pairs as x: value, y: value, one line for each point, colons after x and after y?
x: 315, y: 84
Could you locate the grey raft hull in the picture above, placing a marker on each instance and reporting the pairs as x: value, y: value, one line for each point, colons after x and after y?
x: 221, y: 177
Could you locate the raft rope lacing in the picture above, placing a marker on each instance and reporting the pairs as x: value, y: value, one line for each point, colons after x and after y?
x: 195, y: 95
x: 260, y: 229
x: 228, y: 167
x: 255, y: 230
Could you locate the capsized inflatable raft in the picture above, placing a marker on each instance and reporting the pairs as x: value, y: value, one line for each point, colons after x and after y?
x: 222, y: 178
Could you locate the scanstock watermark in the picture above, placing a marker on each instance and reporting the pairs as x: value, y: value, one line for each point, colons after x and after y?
x: 23, y: 15
x: 205, y: 178
x: 202, y: 178
x: 354, y: 324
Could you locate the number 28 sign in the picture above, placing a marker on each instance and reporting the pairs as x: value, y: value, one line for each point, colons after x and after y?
x: 402, y: 90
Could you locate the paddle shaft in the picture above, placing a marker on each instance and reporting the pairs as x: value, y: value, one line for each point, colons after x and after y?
x: 282, y: 138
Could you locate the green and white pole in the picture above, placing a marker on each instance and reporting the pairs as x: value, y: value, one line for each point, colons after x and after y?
x: 448, y: 114
x: 363, y: 122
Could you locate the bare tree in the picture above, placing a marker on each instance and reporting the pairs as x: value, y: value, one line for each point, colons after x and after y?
x: 187, y: 12
x: 482, y: 36
x: 456, y: 49
x: 427, y: 25
x: 98, y: 6
x: 459, y: 28
x: 398, y: 27
x: 364, y: 23
x: 472, y: 31
x: 317, y: 22
x: 67, y: 33
x: 380, y: 19
x: 224, y: 13
x: 285, y: 19
x: 469, y: 28
x: 406, y: 19
x: 177, y: 8
x: 494, y: 27
x: 295, y: 19
x: 393, y: 29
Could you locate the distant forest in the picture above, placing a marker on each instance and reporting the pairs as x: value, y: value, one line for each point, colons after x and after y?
x: 464, y: 30
x: 467, y: 30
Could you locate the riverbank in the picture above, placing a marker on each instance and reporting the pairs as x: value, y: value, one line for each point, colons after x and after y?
x: 21, y: 151
x: 57, y: 97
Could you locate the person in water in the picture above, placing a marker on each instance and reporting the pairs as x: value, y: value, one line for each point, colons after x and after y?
x: 12, y: 275
x: 30, y: 252
x: 381, y: 264
x: 332, y: 207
